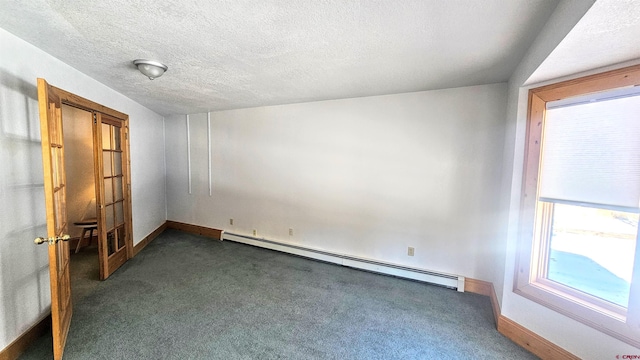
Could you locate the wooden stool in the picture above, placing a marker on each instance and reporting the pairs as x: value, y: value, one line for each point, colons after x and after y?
x: 86, y: 225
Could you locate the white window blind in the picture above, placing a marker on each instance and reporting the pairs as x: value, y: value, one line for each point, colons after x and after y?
x: 591, y: 154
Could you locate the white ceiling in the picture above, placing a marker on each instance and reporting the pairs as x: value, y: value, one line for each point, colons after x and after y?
x: 608, y: 34
x: 236, y: 54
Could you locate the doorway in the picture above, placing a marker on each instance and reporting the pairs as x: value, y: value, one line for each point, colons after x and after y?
x: 111, y: 169
x: 82, y: 219
x: 98, y: 197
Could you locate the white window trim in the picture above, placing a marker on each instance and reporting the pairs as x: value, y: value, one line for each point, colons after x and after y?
x: 621, y: 323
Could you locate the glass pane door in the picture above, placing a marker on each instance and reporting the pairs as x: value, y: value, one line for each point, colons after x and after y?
x: 114, y: 194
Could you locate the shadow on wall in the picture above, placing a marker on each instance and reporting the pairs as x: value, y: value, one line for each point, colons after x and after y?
x: 24, y: 275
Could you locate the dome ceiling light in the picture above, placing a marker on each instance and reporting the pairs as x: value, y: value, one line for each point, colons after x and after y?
x: 151, y: 69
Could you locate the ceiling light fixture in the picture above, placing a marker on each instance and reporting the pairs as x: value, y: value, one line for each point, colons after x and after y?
x: 151, y: 69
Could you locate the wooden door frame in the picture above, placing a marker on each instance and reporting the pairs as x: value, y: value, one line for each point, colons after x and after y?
x: 79, y: 102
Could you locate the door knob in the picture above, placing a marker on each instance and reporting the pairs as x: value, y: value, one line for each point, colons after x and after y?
x: 51, y: 240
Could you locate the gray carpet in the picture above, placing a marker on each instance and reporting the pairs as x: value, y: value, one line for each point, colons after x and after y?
x: 190, y: 297
x: 85, y: 273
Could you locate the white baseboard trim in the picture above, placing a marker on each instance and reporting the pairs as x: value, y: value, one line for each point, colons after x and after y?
x: 447, y: 280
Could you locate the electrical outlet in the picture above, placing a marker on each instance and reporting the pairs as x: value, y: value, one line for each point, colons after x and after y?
x: 255, y: 232
x: 290, y: 231
x: 230, y: 221
x: 411, y: 251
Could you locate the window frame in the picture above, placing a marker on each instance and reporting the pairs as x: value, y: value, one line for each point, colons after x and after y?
x: 621, y: 323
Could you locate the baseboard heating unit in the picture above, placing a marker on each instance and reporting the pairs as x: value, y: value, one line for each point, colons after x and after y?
x: 447, y: 280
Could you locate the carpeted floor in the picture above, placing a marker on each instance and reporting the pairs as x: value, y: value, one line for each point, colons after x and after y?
x: 190, y: 297
x: 85, y: 273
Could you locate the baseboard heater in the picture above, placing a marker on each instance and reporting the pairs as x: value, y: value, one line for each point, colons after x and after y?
x: 446, y: 280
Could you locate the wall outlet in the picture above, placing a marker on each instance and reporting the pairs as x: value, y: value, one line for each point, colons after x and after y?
x: 411, y: 251
x: 255, y: 232
x: 230, y: 221
x: 290, y: 231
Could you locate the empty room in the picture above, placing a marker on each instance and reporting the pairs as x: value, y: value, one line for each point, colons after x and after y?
x: 361, y: 179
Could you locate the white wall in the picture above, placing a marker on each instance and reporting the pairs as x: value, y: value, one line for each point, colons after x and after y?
x: 24, y: 277
x: 365, y: 177
x: 571, y: 335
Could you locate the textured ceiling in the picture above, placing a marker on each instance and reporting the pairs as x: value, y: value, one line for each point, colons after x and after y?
x: 609, y: 33
x: 236, y: 54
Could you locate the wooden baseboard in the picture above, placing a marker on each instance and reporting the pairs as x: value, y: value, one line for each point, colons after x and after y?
x: 495, y: 306
x: 478, y: 286
x: 517, y: 333
x: 484, y: 288
x: 195, y: 229
x: 531, y: 341
x: 19, y: 345
x: 149, y: 238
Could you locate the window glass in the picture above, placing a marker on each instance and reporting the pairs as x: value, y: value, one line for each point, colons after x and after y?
x: 106, y: 136
x: 592, y: 250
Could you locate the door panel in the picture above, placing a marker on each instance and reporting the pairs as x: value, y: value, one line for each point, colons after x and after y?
x: 55, y: 204
x: 113, y: 251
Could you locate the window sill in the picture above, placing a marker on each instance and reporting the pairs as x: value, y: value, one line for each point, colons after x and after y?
x: 608, y: 320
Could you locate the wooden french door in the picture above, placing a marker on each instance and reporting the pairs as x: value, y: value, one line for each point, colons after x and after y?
x: 55, y: 204
x: 112, y: 181
x: 113, y: 189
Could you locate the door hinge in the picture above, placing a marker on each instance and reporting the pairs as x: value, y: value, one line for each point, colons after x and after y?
x: 95, y: 118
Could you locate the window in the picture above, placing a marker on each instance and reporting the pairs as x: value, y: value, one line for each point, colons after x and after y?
x: 577, y: 250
